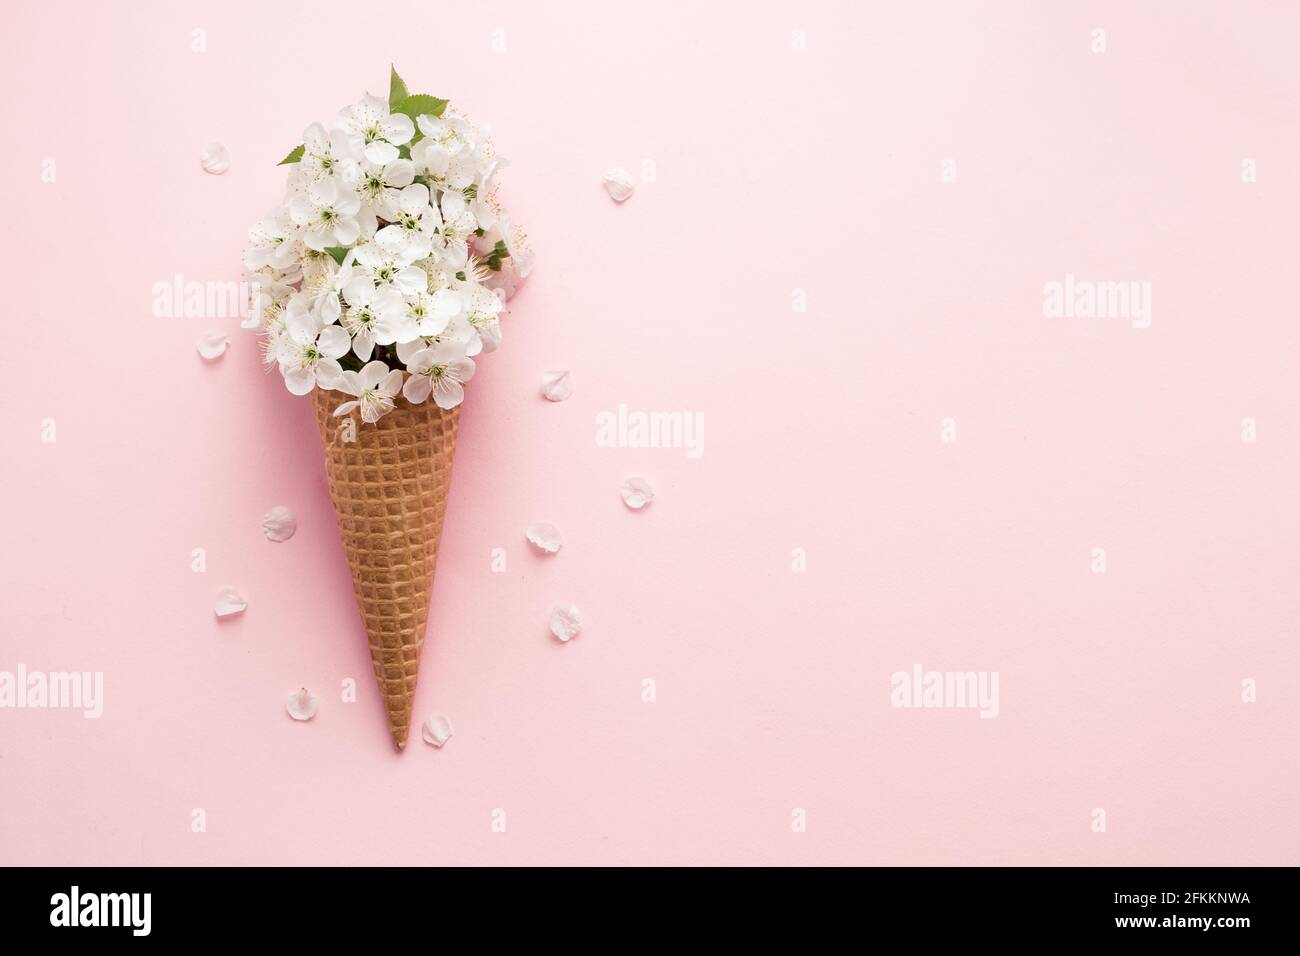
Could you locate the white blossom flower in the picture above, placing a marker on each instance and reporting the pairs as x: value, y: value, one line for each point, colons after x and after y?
x: 395, y: 322
x: 427, y: 314
x: 451, y: 132
x: 308, y: 352
x: 455, y: 229
x: 273, y: 243
x: 327, y: 155
x: 415, y: 224
x: 267, y: 296
x: 375, y: 388
x: 448, y: 170
x: 489, y: 335
x: 439, y: 371
x: 267, y: 302
x: 517, y: 262
x: 519, y: 252
x: 478, y: 323
x: 322, y: 287
x: 375, y: 132
x: 373, y: 315
x: 484, y: 205
x: 388, y: 263
x: 380, y: 185
x: 328, y: 215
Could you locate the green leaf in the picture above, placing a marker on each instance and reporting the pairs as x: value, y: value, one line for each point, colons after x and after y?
x: 420, y: 104
x: 294, y: 156
x: 396, y: 90
x: 338, y: 252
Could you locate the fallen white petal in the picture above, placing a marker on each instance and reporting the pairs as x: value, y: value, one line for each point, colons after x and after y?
x: 566, y: 622
x: 436, y: 731
x: 302, y: 705
x: 557, y: 385
x: 279, y: 524
x: 544, y: 536
x: 212, y: 346
x: 229, y: 603
x: 637, y: 493
x: 215, y: 159
x: 618, y: 183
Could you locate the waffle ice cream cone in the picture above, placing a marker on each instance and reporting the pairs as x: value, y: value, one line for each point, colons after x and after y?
x: 389, y: 487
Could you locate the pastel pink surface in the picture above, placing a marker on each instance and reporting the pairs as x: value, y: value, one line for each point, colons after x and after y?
x: 775, y: 171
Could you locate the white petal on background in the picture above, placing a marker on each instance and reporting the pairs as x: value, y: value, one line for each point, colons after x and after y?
x: 557, y: 385
x: 302, y: 705
x: 566, y: 622
x: 545, y: 536
x: 229, y: 603
x: 215, y: 159
x: 212, y: 346
x: 618, y: 183
x: 436, y: 730
x: 279, y: 524
x: 637, y: 493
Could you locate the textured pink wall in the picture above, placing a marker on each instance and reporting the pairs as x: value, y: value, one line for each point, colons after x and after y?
x: 777, y: 170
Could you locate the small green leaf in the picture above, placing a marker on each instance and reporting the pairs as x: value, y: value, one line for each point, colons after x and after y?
x: 293, y: 157
x: 338, y: 252
x: 396, y: 90
x: 420, y: 104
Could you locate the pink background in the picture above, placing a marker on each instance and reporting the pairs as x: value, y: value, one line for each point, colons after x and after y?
x: 776, y: 171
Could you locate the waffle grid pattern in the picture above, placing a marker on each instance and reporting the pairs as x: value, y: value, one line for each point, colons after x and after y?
x: 390, y: 490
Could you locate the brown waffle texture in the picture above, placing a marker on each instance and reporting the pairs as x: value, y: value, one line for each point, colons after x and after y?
x: 389, y: 487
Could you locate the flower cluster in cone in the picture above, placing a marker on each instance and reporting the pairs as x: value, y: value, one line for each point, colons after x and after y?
x: 388, y: 266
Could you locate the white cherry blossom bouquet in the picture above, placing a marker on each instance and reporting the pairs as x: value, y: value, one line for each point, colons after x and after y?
x: 388, y: 266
